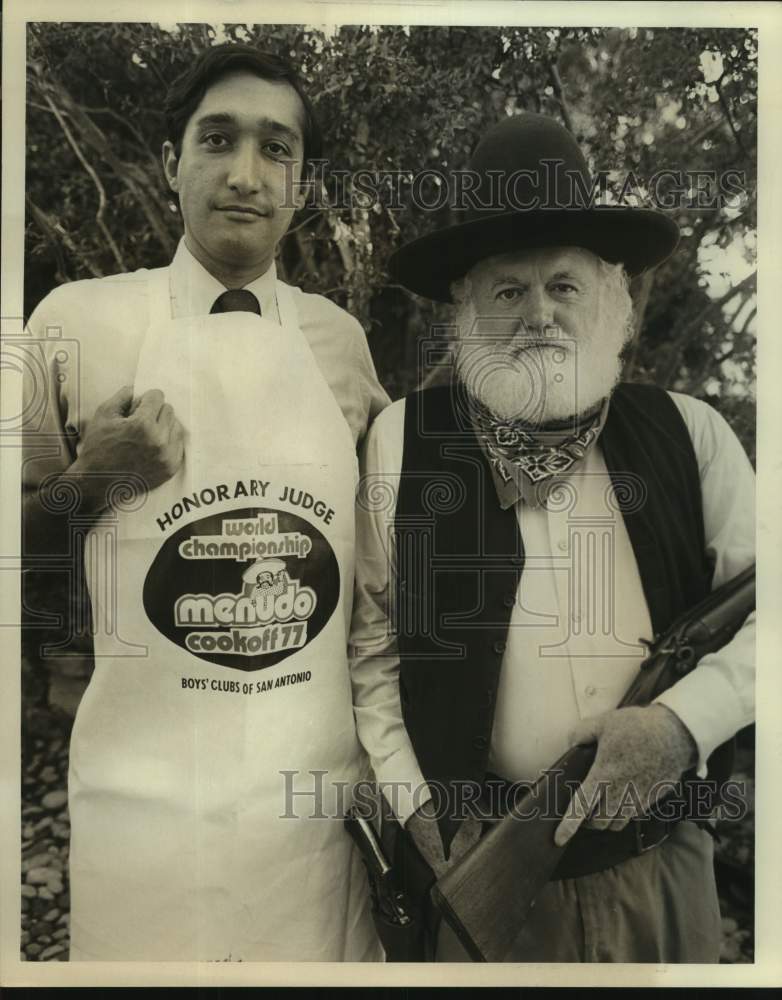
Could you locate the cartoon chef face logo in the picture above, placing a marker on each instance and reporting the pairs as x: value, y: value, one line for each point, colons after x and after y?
x: 245, y: 589
x: 267, y: 576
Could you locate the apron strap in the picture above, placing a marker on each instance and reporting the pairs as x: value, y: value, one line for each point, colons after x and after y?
x: 159, y: 296
x: 289, y: 314
x: 289, y: 317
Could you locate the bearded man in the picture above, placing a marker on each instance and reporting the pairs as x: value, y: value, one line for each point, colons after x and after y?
x: 525, y: 526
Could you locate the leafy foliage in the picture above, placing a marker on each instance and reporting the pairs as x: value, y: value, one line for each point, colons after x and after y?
x: 406, y: 102
x: 416, y: 100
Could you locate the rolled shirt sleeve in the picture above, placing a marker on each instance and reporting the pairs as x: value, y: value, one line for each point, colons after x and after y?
x: 50, y: 377
x: 375, y: 396
x: 717, y: 698
x: 374, y: 656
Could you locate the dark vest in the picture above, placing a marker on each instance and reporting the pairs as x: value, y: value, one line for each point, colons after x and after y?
x: 460, y: 557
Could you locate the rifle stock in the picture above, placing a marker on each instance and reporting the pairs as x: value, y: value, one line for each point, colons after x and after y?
x: 467, y: 892
x: 489, y: 893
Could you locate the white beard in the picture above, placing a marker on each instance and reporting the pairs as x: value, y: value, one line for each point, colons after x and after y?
x: 537, y: 384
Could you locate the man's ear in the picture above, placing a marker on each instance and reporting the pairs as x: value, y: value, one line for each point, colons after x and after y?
x: 170, y: 165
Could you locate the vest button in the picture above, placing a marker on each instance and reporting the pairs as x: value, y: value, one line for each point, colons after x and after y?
x: 517, y: 560
x: 509, y: 600
x: 489, y: 697
x: 480, y: 742
x: 499, y: 646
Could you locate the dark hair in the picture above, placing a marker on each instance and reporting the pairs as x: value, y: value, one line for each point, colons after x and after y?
x: 187, y: 91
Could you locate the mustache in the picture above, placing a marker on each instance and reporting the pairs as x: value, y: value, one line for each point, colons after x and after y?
x: 472, y: 325
x: 509, y: 350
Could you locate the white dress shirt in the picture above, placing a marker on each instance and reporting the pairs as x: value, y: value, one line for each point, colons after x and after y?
x: 573, y: 641
x: 87, y: 336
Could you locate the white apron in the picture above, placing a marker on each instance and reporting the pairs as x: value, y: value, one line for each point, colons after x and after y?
x: 224, y: 663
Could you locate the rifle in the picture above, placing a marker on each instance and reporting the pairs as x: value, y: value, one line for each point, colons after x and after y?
x: 487, y: 896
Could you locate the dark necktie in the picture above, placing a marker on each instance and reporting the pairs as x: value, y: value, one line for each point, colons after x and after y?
x: 236, y: 300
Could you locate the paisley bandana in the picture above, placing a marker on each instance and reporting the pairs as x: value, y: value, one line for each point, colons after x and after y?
x: 525, y: 460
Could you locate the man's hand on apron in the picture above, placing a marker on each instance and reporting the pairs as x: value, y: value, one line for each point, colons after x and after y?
x: 640, y: 752
x: 131, y: 441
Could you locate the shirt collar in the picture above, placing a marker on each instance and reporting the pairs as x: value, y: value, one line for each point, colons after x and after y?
x: 512, y: 484
x: 194, y: 289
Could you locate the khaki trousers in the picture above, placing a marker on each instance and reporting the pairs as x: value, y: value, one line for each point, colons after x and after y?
x: 658, y: 907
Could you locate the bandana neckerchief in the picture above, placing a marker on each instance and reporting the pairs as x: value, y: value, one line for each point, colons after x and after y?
x: 526, y: 462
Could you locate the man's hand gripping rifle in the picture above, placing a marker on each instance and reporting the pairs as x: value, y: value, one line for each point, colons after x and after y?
x: 489, y: 893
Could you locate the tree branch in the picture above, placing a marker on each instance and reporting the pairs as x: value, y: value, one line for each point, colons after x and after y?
x: 95, y: 180
x: 750, y: 316
x: 680, y: 339
x: 143, y: 147
x: 306, y: 222
x: 724, y: 357
x: 730, y: 352
x: 130, y: 174
x: 728, y: 117
x: 55, y: 232
x: 306, y: 255
x: 556, y: 83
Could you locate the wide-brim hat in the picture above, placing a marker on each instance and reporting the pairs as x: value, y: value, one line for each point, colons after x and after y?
x: 530, y: 187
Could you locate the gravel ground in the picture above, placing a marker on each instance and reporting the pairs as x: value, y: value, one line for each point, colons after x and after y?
x: 46, y: 831
x: 45, y: 835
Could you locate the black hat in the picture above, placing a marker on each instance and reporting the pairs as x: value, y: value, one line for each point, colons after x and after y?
x: 534, y: 190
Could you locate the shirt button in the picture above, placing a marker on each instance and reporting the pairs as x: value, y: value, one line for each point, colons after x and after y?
x: 499, y: 646
x: 590, y: 690
x: 562, y: 545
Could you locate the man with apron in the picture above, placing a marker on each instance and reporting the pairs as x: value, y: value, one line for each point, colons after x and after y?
x: 213, y: 464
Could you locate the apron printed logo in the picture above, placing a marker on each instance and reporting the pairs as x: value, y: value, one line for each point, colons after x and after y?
x: 269, y: 596
x: 266, y: 540
x: 201, y: 594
